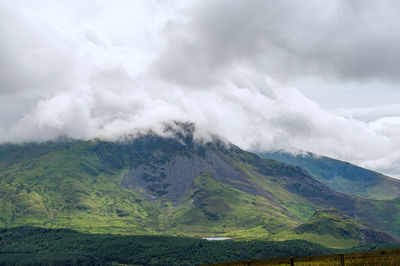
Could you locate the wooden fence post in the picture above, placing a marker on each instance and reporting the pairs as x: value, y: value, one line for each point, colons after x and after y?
x: 341, y: 259
x: 291, y: 262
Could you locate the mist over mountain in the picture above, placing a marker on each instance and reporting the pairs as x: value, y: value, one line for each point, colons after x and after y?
x: 85, y: 70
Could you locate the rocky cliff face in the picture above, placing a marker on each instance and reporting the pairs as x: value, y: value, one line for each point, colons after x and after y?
x: 171, y: 179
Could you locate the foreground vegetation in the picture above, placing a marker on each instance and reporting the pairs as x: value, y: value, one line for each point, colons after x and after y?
x: 378, y: 257
x: 39, y: 246
x: 30, y: 246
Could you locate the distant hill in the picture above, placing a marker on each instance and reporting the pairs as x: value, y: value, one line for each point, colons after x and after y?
x: 168, y: 185
x: 342, y: 176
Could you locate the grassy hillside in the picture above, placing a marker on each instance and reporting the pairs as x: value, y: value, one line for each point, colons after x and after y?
x: 72, y: 188
x: 331, y: 228
x: 342, y: 176
x: 214, y: 207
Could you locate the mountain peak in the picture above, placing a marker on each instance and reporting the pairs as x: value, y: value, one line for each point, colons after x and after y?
x: 181, y: 130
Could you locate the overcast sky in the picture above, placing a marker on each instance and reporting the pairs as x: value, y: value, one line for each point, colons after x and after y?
x: 321, y: 76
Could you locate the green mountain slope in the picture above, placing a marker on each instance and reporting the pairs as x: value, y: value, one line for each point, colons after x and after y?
x: 212, y: 206
x: 332, y: 228
x: 342, y: 176
x: 167, y: 185
x: 73, y: 187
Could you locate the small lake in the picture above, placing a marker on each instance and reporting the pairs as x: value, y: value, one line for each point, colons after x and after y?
x: 216, y: 238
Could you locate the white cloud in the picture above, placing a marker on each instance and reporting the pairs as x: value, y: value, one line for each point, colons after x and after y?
x: 103, y: 73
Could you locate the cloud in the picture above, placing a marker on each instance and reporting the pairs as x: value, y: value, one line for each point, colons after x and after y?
x: 220, y: 64
x: 372, y: 113
x: 354, y: 40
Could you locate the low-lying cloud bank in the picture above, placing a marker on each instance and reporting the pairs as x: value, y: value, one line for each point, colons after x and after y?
x: 223, y: 67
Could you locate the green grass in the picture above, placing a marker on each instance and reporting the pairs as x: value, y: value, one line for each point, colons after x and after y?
x: 258, y: 232
x: 298, y: 206
x: 214, y: 207
x: 327, y: 240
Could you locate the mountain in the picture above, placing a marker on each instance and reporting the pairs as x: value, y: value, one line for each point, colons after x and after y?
x: 331, y: 228
x: 152, y: 184
x: 342, y: 176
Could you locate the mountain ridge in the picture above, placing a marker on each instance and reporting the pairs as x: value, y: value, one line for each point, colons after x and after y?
x: 341, y: 176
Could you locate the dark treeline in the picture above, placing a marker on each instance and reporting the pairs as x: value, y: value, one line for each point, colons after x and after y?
x: 38, y: 246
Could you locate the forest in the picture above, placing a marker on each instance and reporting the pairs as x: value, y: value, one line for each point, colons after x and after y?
x: 38, y: 246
